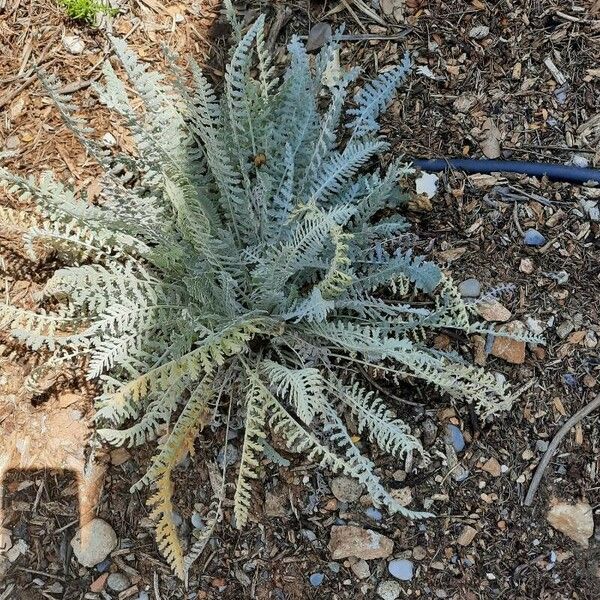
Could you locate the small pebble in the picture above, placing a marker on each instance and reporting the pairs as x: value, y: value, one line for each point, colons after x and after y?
x: 361, y: 569
x: 316, y: 579
x: 479, y: 32
x: 561, y: 277
x: 570, y: 379
x: 232, y: 456
x: 388, y: 590
x: 374, y: 514
x: 470, y: 288
x: 455, y: 437
x: 109, y: 139
x: 197, y: 521
x: 460, y: 473
x: 143, y: 595
x: 430, y: 431
x: 541, y: 445
x: 103, y: 566
x: 73, y: 44
x: 118, y: 582
x: 309, y: 536
x: 560, y: 93
x: 526, y: 266
x: 401, y: 569
x: 55, y: 588
x: 334, y: 567
x: 346, y: 489
x: 533, y: 237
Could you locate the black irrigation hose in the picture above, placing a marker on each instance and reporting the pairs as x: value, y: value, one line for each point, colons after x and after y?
x: 555, y: 172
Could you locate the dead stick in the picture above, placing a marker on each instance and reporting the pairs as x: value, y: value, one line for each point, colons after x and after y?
x: 560, y: 434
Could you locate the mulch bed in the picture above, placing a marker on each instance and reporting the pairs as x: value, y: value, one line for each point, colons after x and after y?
x: 516, y: 79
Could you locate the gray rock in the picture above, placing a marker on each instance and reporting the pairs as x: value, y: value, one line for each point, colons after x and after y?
x: 430, y: 431
x: 346, y: 489
x: 334, y: 567
x: 230, y: 459
x: 388, y: 590
x: 309, y: 535
x: 118, y: 582
x: 401, y: 569
x: 455, y: 437
x: 460, y: 473
x: 561, y: 277
x: 591, y: 208
x: 479, y: 32
x: 374, y: 514
x: 316, y: 579
x: 533, y: 237
x: 470, y: 288
x: 94, y: 542
x: 361, y: 569
x: 560, y: 93
x: 564, y: 329
x: 55, y: 588
x: 197, y: 521
x: 541, y: 445
x: 143, y: 595
x: 103, y: 566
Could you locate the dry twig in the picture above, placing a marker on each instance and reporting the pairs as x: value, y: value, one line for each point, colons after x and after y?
x: 560, y: 434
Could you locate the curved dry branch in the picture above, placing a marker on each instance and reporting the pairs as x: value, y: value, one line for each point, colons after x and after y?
x: 560, y: 434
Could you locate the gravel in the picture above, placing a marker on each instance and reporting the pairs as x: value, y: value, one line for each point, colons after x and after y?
x: 455, y: 437
x: 470, y: 288
x: 401, y: 569
x: 118, y: 582
x: 388, y: 590
x: 533, y: 237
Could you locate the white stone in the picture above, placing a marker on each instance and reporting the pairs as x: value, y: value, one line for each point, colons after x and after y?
x: 479, y: 32
x: 73, y: 44
x: 109, y: 139
x: 94, y: 542
x: 388, y: 590
x: 426, y: 184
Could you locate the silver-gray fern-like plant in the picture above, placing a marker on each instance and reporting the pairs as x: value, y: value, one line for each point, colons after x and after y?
x: 237, y: 257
